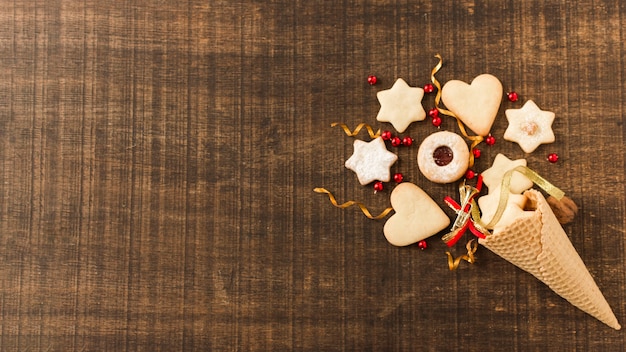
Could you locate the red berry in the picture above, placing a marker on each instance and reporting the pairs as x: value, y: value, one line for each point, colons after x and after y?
x: 470, y: 174
x: 371, y: 79
x: 490, y: 140
x: 433, y: 112
x: 422, y: 244
x: 553, y: 157
x: 398, y: 177
x: 512, y: 96
x: 386, y: 135
x: 476, y: 153
x: 437, y: 121
x: 407, y: 141
x: 396, y: 141
x: 378, y: 186
x: 428, y: 88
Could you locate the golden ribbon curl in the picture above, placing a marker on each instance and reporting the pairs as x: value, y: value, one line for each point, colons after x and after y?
x: 472, y: 246
x: 475, y: 139
x: 351, y: 203
x: 504, y: 193
x: 358, y: 129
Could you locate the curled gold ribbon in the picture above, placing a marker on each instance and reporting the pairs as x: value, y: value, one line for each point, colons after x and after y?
x: 477, y: 223
x: 351, y: 203
x: 475, y: 139
x: 358, y: 129
x: 471, y: 246
x: 504, y: 193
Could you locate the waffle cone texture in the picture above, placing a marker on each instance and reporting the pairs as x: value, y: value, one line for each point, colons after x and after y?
x: 535, y: 242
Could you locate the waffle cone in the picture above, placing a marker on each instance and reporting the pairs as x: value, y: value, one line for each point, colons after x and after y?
x: 536, y: 243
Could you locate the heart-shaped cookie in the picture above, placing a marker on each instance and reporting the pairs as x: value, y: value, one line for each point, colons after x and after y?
x: 475, y: 104
x: 417, y: 216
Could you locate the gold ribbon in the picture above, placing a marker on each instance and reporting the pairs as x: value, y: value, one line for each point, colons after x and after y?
x: 467, y: 194
x: 504, y: 193
x: 358, y: 129
x: 475, y: 139
x: 351, y: 203
x: 471, y: 246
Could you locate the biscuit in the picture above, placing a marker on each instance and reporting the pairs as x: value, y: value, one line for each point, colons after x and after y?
x: 443, y: 157
x: 529, y: 126
x: 492, y: 177
x: 417, y: 216
x: 371, y: 161
x: 489, y: 205
x: 401, y: 105
x: 475, y: 104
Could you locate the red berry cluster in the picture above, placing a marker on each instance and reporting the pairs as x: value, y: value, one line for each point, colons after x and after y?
x: 434, y: 115
x: 395, y: 140
x: 379, y: 185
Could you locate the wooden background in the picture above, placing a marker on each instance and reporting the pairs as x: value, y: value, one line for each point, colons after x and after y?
x: 158, y: 160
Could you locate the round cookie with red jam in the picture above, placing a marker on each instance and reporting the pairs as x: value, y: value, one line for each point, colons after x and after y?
x: 443, y: 157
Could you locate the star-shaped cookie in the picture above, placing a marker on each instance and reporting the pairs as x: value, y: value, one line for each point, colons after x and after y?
x: 489, y: 205
x: 529, y: 126
x: 371, y: 161
x: 401, y: 105
x: 492, y: 177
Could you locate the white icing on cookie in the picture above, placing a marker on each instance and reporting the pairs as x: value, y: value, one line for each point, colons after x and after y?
x: 433, y: 166
x: 371, y: 161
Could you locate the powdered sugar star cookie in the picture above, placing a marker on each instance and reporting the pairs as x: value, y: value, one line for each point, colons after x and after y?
x: 492, y: 177
x: 401, y: 105
x: 371, y: 161
x: 529, y: 126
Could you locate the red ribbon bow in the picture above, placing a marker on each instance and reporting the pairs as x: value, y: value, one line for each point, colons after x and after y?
x: 464, y: 220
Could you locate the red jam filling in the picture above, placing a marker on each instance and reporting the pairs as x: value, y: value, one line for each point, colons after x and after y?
x: 443, y: 155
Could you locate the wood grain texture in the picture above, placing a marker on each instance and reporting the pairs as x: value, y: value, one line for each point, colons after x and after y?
x: 158, y: 159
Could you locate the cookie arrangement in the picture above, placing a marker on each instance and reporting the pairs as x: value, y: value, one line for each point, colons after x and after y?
x: 513, y: 219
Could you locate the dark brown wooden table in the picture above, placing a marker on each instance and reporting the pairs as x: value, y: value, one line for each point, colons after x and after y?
x: 158, y: 160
